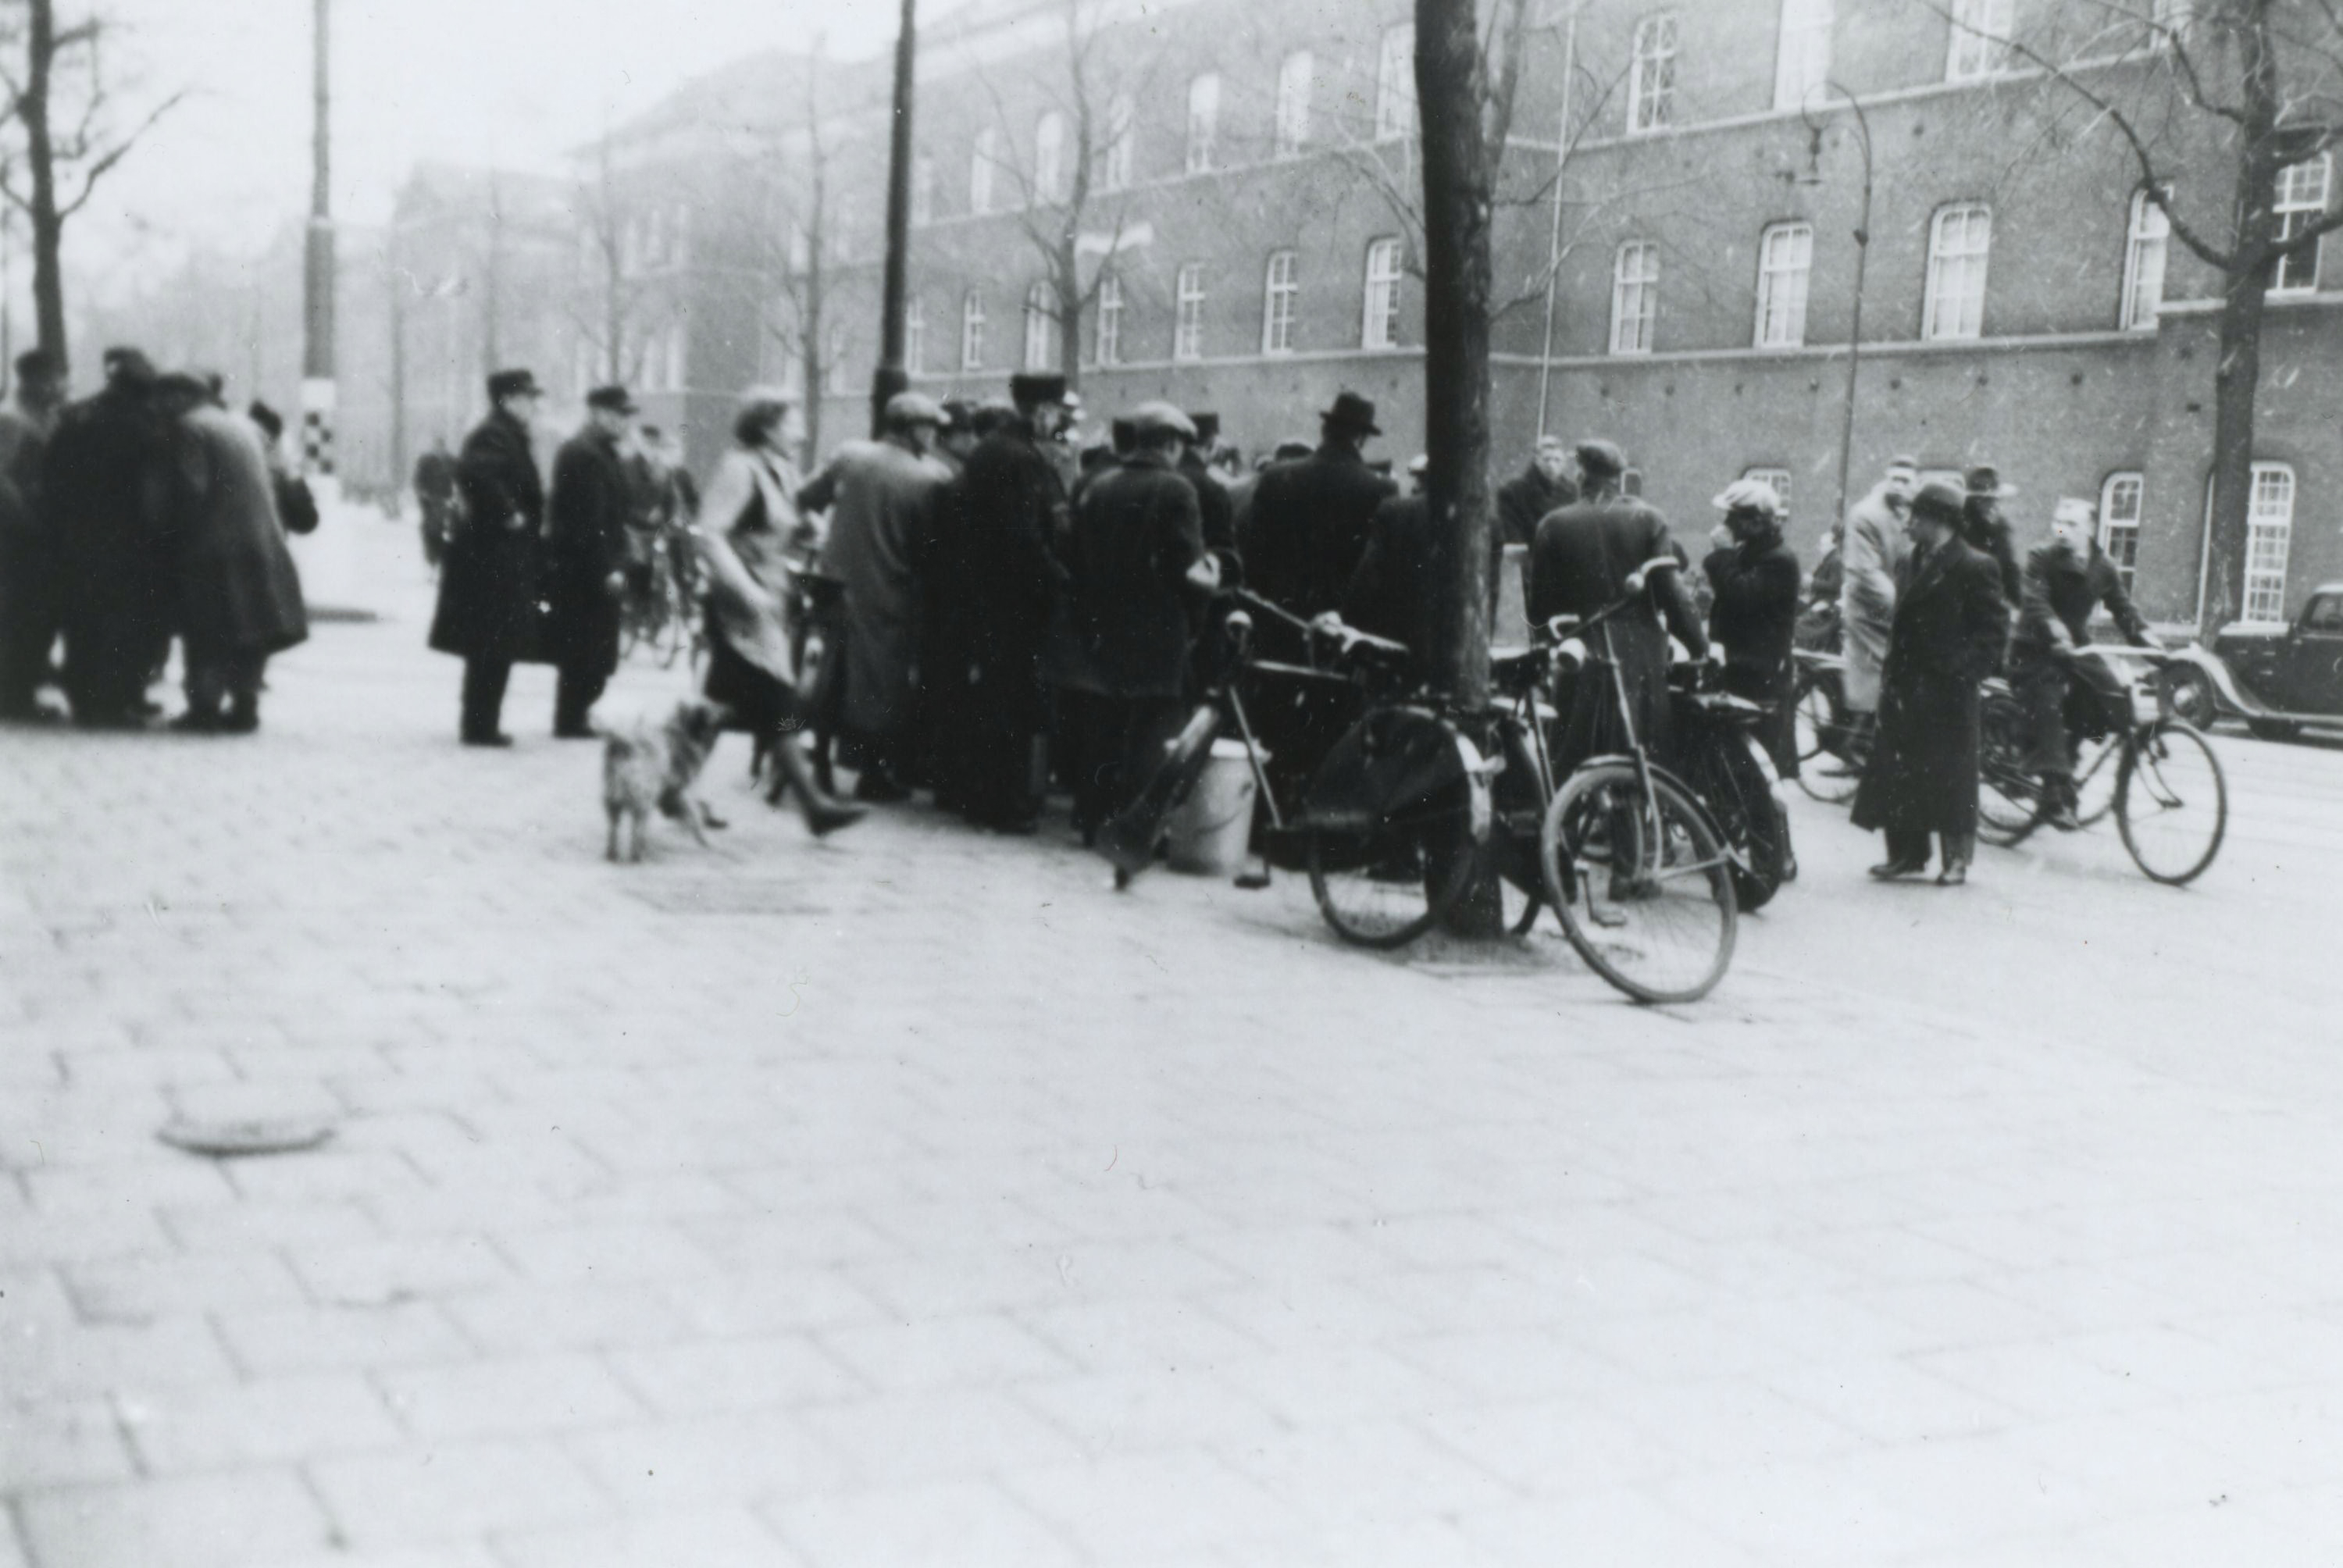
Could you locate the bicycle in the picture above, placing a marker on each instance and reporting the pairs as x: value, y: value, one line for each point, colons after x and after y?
x: 2168, y: 797
x: 1634, y: 864
x: 1832, y: 743
x: 658, y: 613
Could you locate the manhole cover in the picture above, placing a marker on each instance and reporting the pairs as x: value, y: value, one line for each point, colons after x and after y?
x: 232, y: 1137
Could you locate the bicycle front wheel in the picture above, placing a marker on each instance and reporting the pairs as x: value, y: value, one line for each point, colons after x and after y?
x: 1827, y: 771
x: 2172, y: 805
x: 1643, y: 886
x: 2009, y: 797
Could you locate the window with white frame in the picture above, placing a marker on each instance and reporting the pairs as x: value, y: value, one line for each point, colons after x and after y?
x: 1050, y: 158
x: 1108, y: 350
x: 915, y: 335
x: 1634, y: 297
x: 1203, y: 120
x: 1294, y: 77
x: 1959, y: 241
x: 2301, y: 203
x: 972, y: 331
x: 2121, y: 499
x: 1396, y: 83
x: 923, y: 189
x: 2144, y: 243
x: 1778, y: 481
x: 984, y: 162
x: 1113, y: 170
x: 1380, y: 327
x: 1188, y: 320
x: 1786, y: 258
x: 1652, y: 73
x: 1980, y: 39
x: 1278, y: 291
x: 1803, y: 56
x: 2270, y: 529
x: 1041, y: 328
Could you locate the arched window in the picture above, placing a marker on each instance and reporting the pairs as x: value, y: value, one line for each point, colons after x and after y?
x: 1041, y: 328
x: 1110, y: 320
x: 1786, y: 255
x: 1294, y: 78
x: 1959, y: 242
x: 1634, y: 297
x: 2269, y: 534
x: 1114, y: 154
x: 1050, y: 158
x: 1396, y: 83
x: 984, y: 162
x: 1188, y: 324
x: 1379, y: 327
x: 2144, y: 249
x: 2121, y: 500
x: 972, y: 331
x: 1203, y: 121
x: 1278, y: 291
x: 1652, y: 73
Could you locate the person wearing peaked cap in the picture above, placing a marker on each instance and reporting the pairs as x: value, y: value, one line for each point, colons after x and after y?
x: 1950, y: 624
x: 587, y: 550
x: 878, y: 495
x: 1311, y: 518
x: 1985, y: 527
x: 1580, y: 561
x: 105, y: 482
x: 1754, y: 616
x: 487, y: 612
x: 1135, y: 557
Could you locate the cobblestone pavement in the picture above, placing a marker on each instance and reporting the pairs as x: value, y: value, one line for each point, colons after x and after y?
x: 912, y: 1198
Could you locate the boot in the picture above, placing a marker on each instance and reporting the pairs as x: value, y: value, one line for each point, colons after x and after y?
x: 824, y: 814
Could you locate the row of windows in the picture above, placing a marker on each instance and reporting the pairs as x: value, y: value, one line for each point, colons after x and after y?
x: 1960, y: 244
x: 1281, y: 289
x: 1115, y: 155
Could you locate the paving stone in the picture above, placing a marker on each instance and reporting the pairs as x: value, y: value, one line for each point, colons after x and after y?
x: 970, y: 1522
x: 61, y: 1443
x: 277, y: 1341
x: 455, y: 1492
x: 512, y: 1396
x: 734, y: 1461
x: 730, y: 1538
x: 287, y: 1419
x: 223, y: 1520
x: 401, y: 1268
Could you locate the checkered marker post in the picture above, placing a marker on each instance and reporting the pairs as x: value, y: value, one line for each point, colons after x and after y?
x: 318, y: 427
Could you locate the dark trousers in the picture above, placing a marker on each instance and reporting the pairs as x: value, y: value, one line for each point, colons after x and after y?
x: 225, y: 679
x: 1905, y: 845
x: 484, y: 696
x: 1114, y: 745
x: 31, y: 610
x: 2065, y: 701
x: 576, y: 691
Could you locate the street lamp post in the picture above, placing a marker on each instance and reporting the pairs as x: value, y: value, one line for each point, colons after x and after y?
x: 318, y: 276
x: 1862, y: 254
x: 891, y: 377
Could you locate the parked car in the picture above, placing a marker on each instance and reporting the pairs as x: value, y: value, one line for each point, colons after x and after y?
x: 2277, y: 681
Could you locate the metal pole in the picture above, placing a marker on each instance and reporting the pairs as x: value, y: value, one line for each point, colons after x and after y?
x: 1554, y: 238
x: 317, y: 272
x: 1854, y: 330
x: 891, y: 377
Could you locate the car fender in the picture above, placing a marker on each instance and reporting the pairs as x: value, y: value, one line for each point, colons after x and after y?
x: 2230, y: 692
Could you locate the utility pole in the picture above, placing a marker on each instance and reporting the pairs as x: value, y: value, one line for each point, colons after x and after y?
x: 317, y: 276
x: 891, y: 377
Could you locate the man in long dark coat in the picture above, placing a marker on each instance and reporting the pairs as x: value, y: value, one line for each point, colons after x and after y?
x: 1950, y: 624
x: 239, y: 597
x: 1754, y: 612
x: 1985, y: 527
x: 2066, y: 697
x: 1523, y: 500
x: 487, y: 579
x: 106, y: 484
x: 1310, y: 519
x: 435, y: 496
x: 1135, y: 555
x: 878, y: 495
x: 586, y: 554
x: 1010, y: 505
x: 1580, y: 561
x: 31, y: 564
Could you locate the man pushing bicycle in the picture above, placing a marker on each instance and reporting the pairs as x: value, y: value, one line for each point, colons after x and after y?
x: 2067, y: 698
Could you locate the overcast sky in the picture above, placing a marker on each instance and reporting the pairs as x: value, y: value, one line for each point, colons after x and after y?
x: 510, y: 81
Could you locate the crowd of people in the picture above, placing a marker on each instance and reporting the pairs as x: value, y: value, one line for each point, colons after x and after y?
x: 147, y: 513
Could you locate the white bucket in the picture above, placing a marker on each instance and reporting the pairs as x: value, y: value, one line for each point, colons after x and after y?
x: 1209, y: 830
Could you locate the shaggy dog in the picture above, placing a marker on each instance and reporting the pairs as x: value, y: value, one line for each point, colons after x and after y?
x: 647, y: 768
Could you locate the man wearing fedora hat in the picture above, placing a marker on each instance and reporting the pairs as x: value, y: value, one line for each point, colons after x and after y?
x: 586, y: 558
x: 1310, y: 519
x: 878, y: 495
x: 997, y: 526
x: 487, y: 578
x: 1947, y: 635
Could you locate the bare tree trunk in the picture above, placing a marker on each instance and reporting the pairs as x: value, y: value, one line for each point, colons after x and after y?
x: 1459, y: 172
x: 47, y: 222
x: 1070, y: 310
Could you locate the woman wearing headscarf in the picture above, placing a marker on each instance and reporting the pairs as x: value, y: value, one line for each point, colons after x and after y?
x: 1755, y: 613
x: 749, y: 526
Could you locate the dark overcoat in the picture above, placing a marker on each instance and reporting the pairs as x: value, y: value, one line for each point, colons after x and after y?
x: 1216, y: 511
x: 1947, y: 635
x: 1135, y: 535
x: 1523, y: 500
x: 1308, y: 527
x: 105, y: 490
x: 2060, y: 594
x: 1753, y: 613
x: 1580, y: 562
x: 878, y: 495
x: 1011, y: 505
x: 1396, y: 590
x: 489, y: 578
x: 239, y: 590
x: 586, y: 542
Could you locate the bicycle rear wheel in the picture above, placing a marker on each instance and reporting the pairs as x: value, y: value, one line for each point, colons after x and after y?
x: 1644, y: 887
x: 1388, y: 887
x: 2009, y: 797
x: 2172, y: 805
x: 1826, y: 772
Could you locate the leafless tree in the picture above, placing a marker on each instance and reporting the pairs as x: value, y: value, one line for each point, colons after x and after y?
x: 795, y: 165
x: 71, y: 130
x: 2257, y: 84
x: 605, y: 311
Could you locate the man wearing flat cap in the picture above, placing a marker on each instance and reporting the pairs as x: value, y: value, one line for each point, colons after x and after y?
x: 878, y: 495
x: 487, y: 578
x: 1985, y: 527
x: 997, y: 527
x: 1580, y: 561
x: 1947, y: 635
x: 2065, y: 697
x: 587, y: 551
x: 1310, y: 519
x: 1135, y: 559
